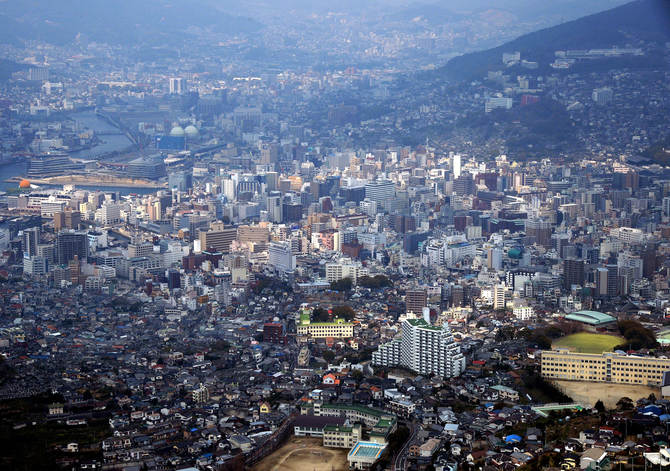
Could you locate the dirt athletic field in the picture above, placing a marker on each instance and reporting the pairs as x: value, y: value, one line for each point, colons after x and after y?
x: 609, y: 393
x: 296, y: 455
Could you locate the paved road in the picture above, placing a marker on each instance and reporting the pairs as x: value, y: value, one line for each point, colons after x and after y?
x: 400, y: 463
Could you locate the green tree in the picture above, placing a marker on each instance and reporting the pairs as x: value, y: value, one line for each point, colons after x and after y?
x: 319, y: 314
x: 600, y: 406
x: 344, y: 312
x: 543, y: 342
x: 344, y: 284
x: 329, y: 356
x: 625, y: 403
x: 378, y: 281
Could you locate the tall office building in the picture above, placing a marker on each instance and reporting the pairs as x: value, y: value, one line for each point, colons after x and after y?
x: 228, y: 187
x: 319, y: 189
x: 464, y: 185
x: 458, y: 296
x: 174, y: 279
x: 35, y: 266
x: 494, y: 258
x: 612, y: 280
x: 649, y: 262
x: 219, y: 239
x: 181, y: 180
x: 274, y: 209
x: 269, y: 155
x: 258, y: 235
x: 381, y: 191
x: 272, y: 181
x: 573, y: 273
x: 424, y: 348
x: 291, y: 212
x: 355, y: 194
x: 69, y: 244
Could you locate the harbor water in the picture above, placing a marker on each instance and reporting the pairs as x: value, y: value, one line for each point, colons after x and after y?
x: 113, y: 142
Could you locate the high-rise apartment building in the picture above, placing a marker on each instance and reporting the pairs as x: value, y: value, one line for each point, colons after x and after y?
x: 573, y: 273
x: 424, y: 348
x: 31, y: 239
x: 602, y: 95
x: 281, y: 257
x: 416, y: 300
x: 456, y: 166
x: 541, y: 230
x: 178, y: 85
x: 499, y: 296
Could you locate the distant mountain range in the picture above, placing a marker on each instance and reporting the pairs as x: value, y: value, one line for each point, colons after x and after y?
x: 112, y: 21
x: 433, y: 14
x: 527, y: 10
x: 647, y: 20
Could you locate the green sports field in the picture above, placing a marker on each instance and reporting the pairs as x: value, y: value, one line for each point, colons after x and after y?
x: 586, y: 342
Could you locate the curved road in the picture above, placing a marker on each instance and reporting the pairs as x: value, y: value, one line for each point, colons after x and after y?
x: 400, y: 463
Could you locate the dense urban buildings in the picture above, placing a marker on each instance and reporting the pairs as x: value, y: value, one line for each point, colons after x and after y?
x: 354, y: 232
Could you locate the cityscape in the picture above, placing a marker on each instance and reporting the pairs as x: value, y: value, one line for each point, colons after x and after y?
x: 316, y: 237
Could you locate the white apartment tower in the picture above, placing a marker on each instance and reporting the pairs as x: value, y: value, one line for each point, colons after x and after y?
x: 424, y: 348
x: 178, y: 85
x: 456, y: 166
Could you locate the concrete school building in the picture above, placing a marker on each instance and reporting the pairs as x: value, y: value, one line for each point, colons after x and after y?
x: 339, y: 328
x: 609, y: 367
x: 380, y: 423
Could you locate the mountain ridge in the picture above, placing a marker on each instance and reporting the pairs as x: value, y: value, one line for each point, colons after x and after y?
x: 647, y: 20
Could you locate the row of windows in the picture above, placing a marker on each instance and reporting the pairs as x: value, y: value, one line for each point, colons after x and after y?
x: 646, y: 364
x: 651, y: 374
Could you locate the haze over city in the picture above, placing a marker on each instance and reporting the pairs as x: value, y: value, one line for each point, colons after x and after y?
x: 315, y: 235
